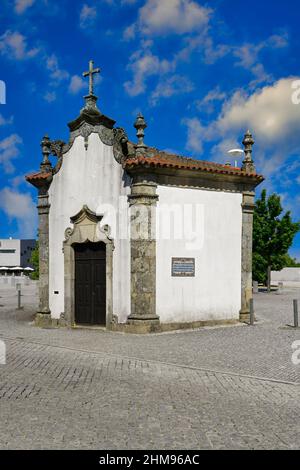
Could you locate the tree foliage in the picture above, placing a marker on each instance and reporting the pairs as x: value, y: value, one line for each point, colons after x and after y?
x: 273, y: 235
x: 291, y: 262
x: 34, y: 260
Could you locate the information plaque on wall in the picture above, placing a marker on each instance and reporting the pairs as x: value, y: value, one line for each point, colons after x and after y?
x: 183, y: 267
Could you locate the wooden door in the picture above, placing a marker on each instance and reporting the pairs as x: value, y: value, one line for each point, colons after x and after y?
x: 90, y: 283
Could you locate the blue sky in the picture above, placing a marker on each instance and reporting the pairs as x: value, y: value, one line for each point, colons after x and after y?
x: 201, y: 72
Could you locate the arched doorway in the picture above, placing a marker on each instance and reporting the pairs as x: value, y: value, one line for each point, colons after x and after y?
x: 88, y: 232
x: 90, y: 283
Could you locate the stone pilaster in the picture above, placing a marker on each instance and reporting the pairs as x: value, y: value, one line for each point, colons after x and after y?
x: 142, y: 202
x: 43, y: 314
x: 247, y: 241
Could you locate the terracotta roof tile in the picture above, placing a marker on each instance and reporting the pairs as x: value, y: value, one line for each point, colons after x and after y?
x: 38, y: 176
x: 165, y: 160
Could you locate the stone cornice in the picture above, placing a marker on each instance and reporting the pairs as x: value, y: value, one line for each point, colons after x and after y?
x: 189, y: 178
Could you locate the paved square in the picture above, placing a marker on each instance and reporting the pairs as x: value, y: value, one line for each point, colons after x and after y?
x: 218, y: 388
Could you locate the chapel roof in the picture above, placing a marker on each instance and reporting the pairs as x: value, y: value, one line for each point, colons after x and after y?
x: 153, y: 158
x: 136, y: 157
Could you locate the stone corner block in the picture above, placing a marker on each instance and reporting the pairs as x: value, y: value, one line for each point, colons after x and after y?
x: 43, y: 320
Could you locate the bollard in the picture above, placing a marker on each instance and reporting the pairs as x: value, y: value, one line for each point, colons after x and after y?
x: 296, y: 315
x: 18, y: 286
x: 280, y: 288
x: 255, y: 287
x: 252, y: 318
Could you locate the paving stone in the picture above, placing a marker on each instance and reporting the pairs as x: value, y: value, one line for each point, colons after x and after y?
x: 86, y: 389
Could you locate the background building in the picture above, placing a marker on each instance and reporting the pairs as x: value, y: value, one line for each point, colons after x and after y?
x: 16, y: 252
x: 289, y: 277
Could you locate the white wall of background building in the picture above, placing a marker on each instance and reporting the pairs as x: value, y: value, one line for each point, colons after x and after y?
x: 10, y: 252
x: 15, y: 252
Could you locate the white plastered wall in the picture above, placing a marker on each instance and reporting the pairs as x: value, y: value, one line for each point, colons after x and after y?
x: 215, y: 291
x: 93, y: 178
x: 10, y: 259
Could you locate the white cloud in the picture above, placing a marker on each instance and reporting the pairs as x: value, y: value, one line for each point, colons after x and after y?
x: 204, y: 44
x: 171, y: 86
x: 22, y: 5
x: 213, y: 52
x: 159, y: 17
x: 6, y: 121
x: 248, y: 55
x: 191, y: 20
x: 129, y: 32
x: 119, y: 3
x: 50, y: 96
x: 194, y: 134
x: 77, y: 84
x: 87, y: 17
x: 20, y: 207
x: 269, y: 112
x: 14, y: 45
x: 17, y: 181
x: 9, y: 150
x: 219, y: 152
x: 57, y: 74
x: 212, y: 96
x: 143, y: 65
x: 270, y: 115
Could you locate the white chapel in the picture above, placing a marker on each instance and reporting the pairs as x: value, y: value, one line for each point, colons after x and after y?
x: 135, y: 239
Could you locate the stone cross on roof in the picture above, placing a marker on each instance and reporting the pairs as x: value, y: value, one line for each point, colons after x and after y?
x: 91, y: 72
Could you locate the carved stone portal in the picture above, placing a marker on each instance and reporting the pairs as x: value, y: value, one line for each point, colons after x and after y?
x: 87, y: 227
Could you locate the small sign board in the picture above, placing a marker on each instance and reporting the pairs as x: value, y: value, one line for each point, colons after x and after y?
x: 18, y: 287
x: 183, y: 267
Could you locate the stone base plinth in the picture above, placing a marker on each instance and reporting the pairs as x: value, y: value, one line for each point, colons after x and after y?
x: 139, y: 326
x: 146, y: 327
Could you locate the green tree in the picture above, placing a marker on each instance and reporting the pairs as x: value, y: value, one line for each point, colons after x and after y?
x: 291, y: 262
x: 34, y: 260
x: 273, y: 235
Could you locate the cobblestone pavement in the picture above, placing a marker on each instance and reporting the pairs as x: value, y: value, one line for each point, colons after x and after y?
x: 222, y: 388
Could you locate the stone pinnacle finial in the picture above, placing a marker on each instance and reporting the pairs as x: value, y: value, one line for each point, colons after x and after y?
x: 248, y: 143
x: 140, y: 125
x: 91, y: 99
x: 46, y: 164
